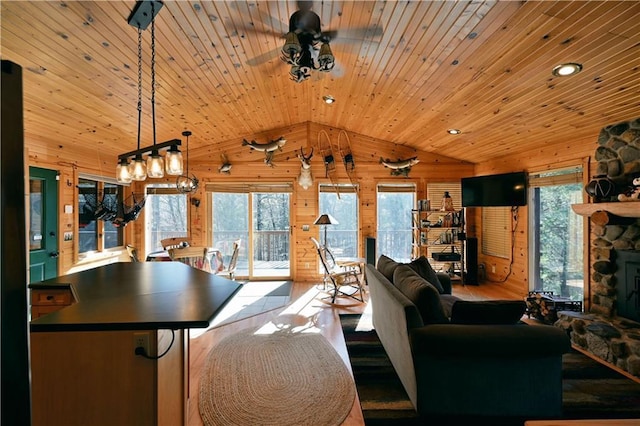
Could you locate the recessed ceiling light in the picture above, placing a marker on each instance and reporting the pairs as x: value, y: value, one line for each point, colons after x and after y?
x: 454, y: 131
x: 328, y: 99
x: 564, y: 70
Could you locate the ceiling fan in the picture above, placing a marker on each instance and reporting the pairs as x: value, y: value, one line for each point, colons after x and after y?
x: 306, y: 46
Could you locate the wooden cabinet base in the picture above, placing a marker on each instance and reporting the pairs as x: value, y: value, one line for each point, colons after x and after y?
x: 81, y: 378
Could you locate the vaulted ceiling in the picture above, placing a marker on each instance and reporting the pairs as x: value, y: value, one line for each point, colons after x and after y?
x: 406, y: 72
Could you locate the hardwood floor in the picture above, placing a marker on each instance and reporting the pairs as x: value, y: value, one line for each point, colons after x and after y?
x: 304, y: 311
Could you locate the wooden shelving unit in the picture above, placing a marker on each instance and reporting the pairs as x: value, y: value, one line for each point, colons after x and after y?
x: 430, y: 237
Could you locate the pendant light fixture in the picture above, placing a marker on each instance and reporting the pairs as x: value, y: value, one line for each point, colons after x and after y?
x: 138, y: 167
x: 155, y: 163
x: 154, y: 166
x: 187, y: 183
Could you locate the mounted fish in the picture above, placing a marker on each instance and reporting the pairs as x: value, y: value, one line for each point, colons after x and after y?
x: 268, y: 148
x: 226, y: 165
x: 400, y: 167
x: 305, y: 179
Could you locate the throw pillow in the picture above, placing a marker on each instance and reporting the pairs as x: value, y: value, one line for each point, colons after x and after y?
x: 420, y: 293
x: 386, y: 266
x: 487, y: 312
x: 422, y: 266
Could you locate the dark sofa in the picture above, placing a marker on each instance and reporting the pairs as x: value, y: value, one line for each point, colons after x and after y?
x: 464, y: 358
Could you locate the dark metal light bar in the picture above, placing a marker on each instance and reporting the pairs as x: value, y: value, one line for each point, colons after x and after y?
x: 158, y: 146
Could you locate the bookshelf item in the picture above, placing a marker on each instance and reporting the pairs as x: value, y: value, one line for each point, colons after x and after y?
x: 439, y: 236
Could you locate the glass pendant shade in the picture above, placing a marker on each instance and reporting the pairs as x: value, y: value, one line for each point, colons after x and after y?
x: 123, y: 173
x: 155, y: 165
x: 173, y: 161
x: 138, y: 168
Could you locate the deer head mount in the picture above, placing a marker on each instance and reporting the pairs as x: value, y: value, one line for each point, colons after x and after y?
x: 305, y: 179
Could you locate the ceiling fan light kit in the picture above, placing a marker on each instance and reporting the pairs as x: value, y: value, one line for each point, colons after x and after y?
x: 300, y: 45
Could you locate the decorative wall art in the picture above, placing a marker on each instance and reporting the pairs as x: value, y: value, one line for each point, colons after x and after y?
x: 400, y: 167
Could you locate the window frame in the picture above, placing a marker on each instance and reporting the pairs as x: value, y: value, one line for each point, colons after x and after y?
x: 395, y: 188
x: 99, y: 234
x: 341, y: 188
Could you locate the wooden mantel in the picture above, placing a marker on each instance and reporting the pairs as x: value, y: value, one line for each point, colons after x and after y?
x: 622, y: 209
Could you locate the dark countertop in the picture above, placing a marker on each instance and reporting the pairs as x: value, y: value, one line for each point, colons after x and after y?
x: 137, y: 296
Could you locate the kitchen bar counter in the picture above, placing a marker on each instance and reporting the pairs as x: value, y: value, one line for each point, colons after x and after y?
x: 85, y: 365
x: 137, y: 296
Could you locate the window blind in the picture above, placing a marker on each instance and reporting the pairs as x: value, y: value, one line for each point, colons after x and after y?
x: 435, y: 191
x: 341, y: 188
x: 99, y: 178
x: 496, y: 231
x: 556, y: 177
x: 398, y: 187
x: 239, y: 188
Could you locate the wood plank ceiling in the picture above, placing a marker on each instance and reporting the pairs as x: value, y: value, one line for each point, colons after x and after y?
x: 406, y: 72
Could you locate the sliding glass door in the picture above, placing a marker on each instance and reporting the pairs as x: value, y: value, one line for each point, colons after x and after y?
x: 258, y: 216
x: 271, y: 234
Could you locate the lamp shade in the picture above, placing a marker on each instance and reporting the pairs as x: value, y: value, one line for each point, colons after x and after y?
x: 138, y: 168
x: 326, y: 219
x: 155, y: 165
x: 173, y: 161
x: 123, y: 172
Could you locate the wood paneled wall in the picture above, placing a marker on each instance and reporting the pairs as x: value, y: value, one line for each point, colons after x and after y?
x: 575, y: 153
x: 249, y: 166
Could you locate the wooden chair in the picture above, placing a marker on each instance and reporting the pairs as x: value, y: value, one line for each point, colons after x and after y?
x: 175, y: 242
x: 196, y: 257
x: 339, y: 277
x: 133, y: 253
x: 231, y: 269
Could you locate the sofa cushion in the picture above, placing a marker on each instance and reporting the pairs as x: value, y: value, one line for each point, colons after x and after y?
x: 487, y: 312
x: 422, y: 266
x: 421, y: 293
x: 447, y: 301
x: 386, y: 266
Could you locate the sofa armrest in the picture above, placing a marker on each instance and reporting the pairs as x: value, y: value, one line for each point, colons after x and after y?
x: 445, y: 281
x: 497, y: 341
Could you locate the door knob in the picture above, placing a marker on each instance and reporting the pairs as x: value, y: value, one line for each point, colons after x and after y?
x: 52, y: 234
x: 54, y: 254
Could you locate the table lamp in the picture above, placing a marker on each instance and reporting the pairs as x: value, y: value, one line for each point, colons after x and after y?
x: 324, y: 220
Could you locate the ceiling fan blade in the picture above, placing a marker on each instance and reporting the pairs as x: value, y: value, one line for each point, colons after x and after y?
x: 264, y: 57
x: 359, y: 34
x: 277, y: 26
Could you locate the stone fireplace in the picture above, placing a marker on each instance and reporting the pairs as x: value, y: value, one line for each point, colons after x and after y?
x: 609, y: 330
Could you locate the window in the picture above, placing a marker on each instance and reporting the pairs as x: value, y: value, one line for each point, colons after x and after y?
x: 166, y: 215
x: 343, y: 237
x: 394, y: 202
x: 556, y: 233
x: 96, y: 200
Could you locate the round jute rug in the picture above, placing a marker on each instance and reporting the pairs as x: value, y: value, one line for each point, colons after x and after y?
x: 275, y: 379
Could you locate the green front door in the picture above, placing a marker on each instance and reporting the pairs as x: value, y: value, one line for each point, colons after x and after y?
x: 43, y: 224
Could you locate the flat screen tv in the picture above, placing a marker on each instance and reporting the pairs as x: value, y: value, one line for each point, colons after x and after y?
x: 503, y: 190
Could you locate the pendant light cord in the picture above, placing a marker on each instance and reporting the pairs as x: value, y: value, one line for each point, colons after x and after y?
x: 139, y: 82
x: 153, y: 72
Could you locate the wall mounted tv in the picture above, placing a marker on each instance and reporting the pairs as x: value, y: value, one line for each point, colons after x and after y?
x: 503, y: 190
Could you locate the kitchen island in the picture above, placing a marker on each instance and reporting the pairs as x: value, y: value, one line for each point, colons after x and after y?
x: 87, y: 365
